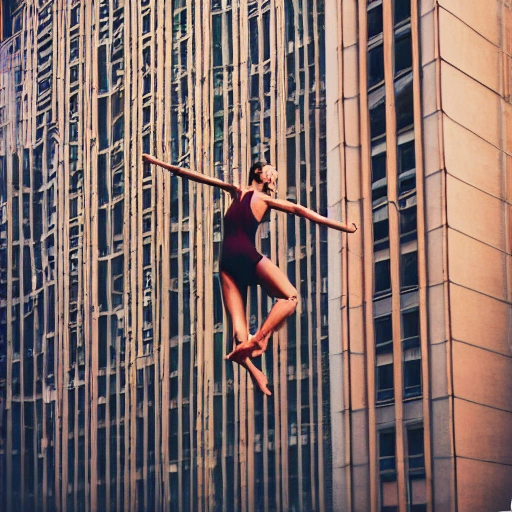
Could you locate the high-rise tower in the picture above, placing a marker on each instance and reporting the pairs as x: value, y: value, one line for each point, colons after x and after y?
x: 115, y: 393
x: 419, y: 154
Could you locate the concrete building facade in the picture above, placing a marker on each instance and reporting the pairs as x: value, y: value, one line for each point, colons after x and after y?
x: 419, y: 154
x: 115, y: 394
x: 392, y: 380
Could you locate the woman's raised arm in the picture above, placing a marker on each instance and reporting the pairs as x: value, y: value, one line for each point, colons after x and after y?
x: 302, y: 211
x: 192, y: 175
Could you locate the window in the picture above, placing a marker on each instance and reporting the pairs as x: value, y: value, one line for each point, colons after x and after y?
x: 75, y: 16
x: 404, y: 102
x: 406, y: 161
x: 411, y: 353
x: 408, y: 224
x: 377, y: 106
x: 374, y: 21
x: 416, y: 491
x: 375, y: 65
x: 379, y: 180
x: 403, y: 53
x: 380, y: 228
x: 6, y: 8
x: 402, y: 10
x: 408, y: 270
x: 410, y: 328
x: 387, y: 471
x: 412, y: 372
x: 383, y: 335
x: 385, y: 387
x: 382, y: 276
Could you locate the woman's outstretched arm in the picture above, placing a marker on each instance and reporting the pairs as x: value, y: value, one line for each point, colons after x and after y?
x: 192, y: 175
x: 302, y: 211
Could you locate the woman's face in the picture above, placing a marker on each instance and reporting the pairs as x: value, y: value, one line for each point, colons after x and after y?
x: 269, y: 178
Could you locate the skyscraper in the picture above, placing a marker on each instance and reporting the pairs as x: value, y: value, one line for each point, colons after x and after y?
x: 115, y: 393
x: 391, y: 381
x: 419, y: 154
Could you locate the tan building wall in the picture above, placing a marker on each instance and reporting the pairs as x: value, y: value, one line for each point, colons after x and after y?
x: 461, y: 69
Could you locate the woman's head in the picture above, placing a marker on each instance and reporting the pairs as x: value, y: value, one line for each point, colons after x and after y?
x: 266, y: 174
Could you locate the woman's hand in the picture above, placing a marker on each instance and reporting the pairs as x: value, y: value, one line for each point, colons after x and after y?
x: 352, y: 228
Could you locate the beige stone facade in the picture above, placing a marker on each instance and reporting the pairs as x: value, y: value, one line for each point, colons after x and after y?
x: 444, y: 445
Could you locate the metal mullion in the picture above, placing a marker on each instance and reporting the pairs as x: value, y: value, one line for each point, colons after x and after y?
x: 176, y: 82
x: 250, y: 396
x: 207, y: 193
x: 368, y: 256
x: 179, y: 226
x: 273, y: 150
x: 422, y: 264
x: 192, y: 247
x: 296, y: 317
x: 237, y: 176
x: 319, y: 391
x: 158, y: 200
x: 65, y: 292
x: 245, y: 159
x: 165, y: 349
x: 200, y: 276
x: 133, y: 126
x: 280, y: 250
x: 307, y: 141
x: 261, y: 157
x: 92, y: 39
x: 394, y: 242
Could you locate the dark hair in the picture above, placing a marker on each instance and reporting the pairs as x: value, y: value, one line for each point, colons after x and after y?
x: 258, y: 166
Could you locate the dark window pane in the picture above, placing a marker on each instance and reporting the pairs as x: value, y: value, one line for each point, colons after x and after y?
x: 377, y: 105
x: 415, y: 441
x: 382, y: 276
x: 374, y: 21
x: 102, y: 69
x: 407, y: 222
x: 387, y: 444
x: 406, y: 167
x: 381, y: 234
x: 412, y: 378
x: 410, y: 324
x: 403, y: 53
x: 402, y: 10
x: 375, y: 66
x: 378, y: 167
x: 408, y: 270
x: 385, y: 389
x: 383, y: 335
x: 406, y: 157
x: 102, y: 123
x: 404, y: 102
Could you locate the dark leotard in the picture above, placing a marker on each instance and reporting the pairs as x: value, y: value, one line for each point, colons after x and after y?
x: 239, y: 255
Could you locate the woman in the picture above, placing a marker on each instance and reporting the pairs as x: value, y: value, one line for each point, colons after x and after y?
x: 241, y: 265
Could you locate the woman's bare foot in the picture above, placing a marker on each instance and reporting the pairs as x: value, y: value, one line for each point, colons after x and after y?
x: 263, y: 344
x: 258, y: 376
x: 253, y: 347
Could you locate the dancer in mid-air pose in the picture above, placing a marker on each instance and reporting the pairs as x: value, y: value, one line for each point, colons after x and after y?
x: 241, y: 265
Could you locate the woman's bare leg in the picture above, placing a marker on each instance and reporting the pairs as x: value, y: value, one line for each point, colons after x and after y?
x: 277, y: 285
x: 235, y: 304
